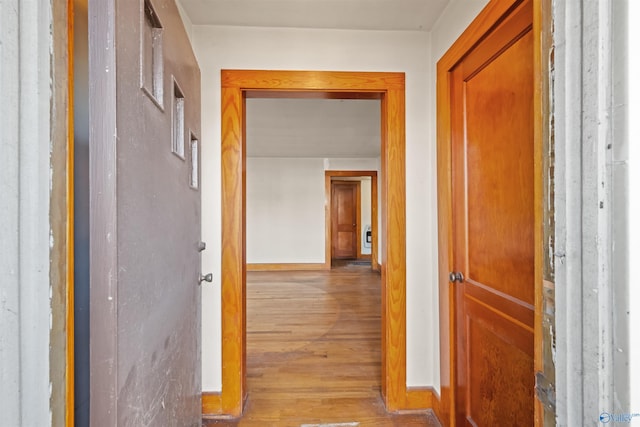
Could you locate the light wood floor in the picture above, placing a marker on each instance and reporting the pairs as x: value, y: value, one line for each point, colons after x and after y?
x: 313, y: 351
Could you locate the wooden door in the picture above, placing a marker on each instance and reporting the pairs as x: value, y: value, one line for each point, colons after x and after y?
x: 344, y: 220
x: 493, y: 225
x: 145, y: 216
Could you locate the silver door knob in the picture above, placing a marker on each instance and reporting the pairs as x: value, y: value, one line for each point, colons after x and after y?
x: 456, y: 276
x: 206, y: 278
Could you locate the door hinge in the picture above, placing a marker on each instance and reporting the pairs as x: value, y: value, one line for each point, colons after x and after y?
x: 545, y: 392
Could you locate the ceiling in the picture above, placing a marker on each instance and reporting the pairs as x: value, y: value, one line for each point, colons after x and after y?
x: 328, y: 128
x: 386, y: 15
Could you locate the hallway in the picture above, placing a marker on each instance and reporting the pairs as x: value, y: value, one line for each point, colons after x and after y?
x: 313, y: 351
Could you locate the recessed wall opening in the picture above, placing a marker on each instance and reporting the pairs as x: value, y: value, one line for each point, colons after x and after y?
x: 291, y: 144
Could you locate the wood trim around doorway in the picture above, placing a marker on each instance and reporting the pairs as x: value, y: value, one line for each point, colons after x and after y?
x: 70, y: 275
x: 476, y: 31
x: 374, y: 213
x: 542, y: 46
x: 390, y: 89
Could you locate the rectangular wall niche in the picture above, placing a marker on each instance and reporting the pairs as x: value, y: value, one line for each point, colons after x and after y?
x: 194, y: 163
x: 151, y: 63
x: 177, y: 144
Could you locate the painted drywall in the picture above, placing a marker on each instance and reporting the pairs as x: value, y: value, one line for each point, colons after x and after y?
x: 25, y: 239
x: 285, y: 210
x: 313, y: 127
x: 298, y: 49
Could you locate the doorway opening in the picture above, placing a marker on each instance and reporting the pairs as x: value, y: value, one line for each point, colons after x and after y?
x: 237, y: 86
x: 366, y: 232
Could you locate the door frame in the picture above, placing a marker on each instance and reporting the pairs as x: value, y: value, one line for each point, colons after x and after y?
x: 374, y: 212
x: 485, y: 22
x: 236, y: 86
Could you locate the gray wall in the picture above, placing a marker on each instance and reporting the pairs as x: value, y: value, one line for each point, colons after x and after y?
x: 592, y: 282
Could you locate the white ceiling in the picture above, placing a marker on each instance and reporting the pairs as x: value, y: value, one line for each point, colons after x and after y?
x: 400, y: 15
x: 313, y: 128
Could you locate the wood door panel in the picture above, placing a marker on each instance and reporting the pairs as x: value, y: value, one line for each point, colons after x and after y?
x: 345, y: 207
x: 499, y: 369
x: 499, y: 118
x: 506, y: 33
x: 344, y: 243
x: 492, y: 186
x: 345, y: 219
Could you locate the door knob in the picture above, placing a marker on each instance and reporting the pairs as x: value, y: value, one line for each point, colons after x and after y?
x: 456, y: 276
x: 206, y: 278
x: 202, y: 246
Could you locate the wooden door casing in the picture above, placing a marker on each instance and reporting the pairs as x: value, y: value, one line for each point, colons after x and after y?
x: 345, y: 219
x: 492, y: 186
x: 390, y: 89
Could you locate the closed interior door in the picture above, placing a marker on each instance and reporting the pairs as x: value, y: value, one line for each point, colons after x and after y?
x: 493, y: 208
x: 344, y: 220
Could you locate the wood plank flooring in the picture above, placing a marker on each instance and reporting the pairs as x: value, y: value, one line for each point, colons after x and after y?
x: 313, y: 351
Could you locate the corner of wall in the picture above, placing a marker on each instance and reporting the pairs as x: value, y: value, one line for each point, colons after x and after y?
x: 186, y: 21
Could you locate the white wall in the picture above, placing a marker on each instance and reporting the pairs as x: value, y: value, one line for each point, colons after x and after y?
x: 25, y: 173
x: 298, y: 49
x: 352, y: 164
x: 285, y: 210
